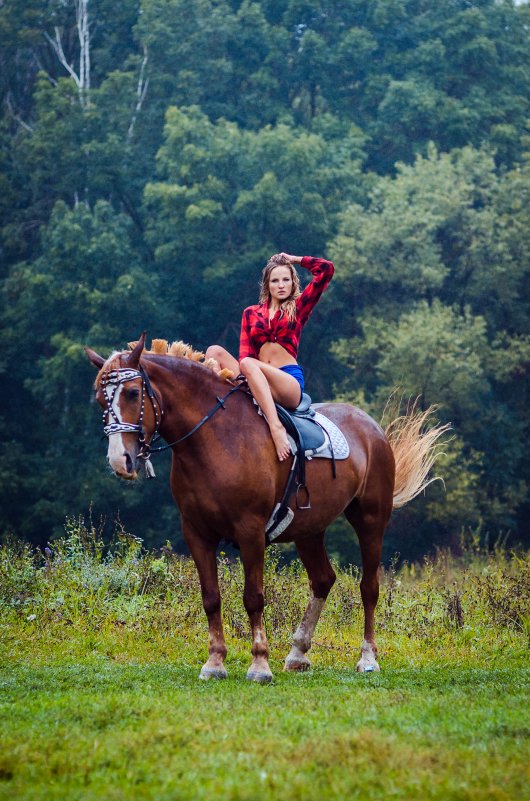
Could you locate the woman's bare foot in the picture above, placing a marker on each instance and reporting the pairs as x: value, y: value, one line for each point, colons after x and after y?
x: 281, y: 443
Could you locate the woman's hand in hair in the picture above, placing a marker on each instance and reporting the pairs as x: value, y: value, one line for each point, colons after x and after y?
x: 291, y: 259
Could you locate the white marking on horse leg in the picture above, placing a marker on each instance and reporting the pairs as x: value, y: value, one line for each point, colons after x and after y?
x: 368, y: 661
x: 214, y: 666
x: 259, y: 670
x: 215, y: 671
x: 297, y: 659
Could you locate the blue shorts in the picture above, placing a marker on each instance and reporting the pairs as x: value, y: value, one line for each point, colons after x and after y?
x: 296, y: 371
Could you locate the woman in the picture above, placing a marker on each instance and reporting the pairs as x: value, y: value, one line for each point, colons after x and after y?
x: 270, y: 336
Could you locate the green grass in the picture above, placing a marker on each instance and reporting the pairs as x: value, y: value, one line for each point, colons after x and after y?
x: 99, y: 696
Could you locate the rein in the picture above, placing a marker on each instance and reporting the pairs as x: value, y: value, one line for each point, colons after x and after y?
x: 220, y: 404
x: 109, y: 385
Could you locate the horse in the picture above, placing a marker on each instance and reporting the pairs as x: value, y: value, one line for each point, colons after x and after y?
x: 226, y: 479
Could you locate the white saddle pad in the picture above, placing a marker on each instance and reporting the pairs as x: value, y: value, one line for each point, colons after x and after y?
x: 334, y: 438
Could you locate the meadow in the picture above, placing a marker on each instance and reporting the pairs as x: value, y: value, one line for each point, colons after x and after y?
x: 101, y: 647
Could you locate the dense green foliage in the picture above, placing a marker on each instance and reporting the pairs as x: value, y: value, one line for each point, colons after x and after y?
x: 100, y: 651
x: 147, y: 173
x: 83, y: 583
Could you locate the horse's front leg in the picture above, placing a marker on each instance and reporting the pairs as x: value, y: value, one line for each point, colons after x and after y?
x: 321, y: 579
x: 204, y: 556
x: 253, y: 556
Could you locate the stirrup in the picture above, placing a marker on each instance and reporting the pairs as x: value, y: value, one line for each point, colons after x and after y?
x: 303, y: 488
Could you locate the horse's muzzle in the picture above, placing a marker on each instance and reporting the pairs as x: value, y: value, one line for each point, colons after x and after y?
x: 124, y: 465
x: 127, y: 476
x: 127, y: 473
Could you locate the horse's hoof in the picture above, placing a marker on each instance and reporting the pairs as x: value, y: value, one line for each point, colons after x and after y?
x: 368, y: 661
x: 259, y: 676
x: 367, y: 667
x: 212, y: 673
x: 299, y: 665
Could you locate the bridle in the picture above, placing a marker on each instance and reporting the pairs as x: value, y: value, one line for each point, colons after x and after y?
x: 109, y: 384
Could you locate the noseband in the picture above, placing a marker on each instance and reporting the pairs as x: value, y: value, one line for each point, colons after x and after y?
x: 109, y: 385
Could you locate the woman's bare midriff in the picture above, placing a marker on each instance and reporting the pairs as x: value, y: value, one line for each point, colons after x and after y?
x: 274, y: 354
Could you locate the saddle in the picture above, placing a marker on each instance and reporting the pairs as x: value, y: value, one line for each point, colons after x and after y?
x: 301, y: 425
x: 309, y: 437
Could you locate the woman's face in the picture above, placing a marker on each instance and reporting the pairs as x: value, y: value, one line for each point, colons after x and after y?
x: 280, y: 283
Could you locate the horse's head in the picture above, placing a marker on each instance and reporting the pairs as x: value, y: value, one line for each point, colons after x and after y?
x: 130, y: 413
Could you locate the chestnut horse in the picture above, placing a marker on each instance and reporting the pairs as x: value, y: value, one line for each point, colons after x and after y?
x: 226, y: 480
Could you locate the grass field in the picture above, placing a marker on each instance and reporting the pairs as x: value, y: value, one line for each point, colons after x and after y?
x: 100, y: 654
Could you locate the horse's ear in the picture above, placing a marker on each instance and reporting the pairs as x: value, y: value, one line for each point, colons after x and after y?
x: 97, y: 360
x: 133, y: 358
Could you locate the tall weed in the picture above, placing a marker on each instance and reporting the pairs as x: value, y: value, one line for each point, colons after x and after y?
x: 82, y: 581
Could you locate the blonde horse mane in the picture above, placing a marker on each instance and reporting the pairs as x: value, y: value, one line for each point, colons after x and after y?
x: 181, y: 350
x: 161, y: 347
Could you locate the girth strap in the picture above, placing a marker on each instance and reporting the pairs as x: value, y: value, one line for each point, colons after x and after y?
x: 282, y: 513
x: 285, y: 419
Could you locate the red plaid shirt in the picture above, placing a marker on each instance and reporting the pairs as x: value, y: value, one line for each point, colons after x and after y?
x: 256, y: 328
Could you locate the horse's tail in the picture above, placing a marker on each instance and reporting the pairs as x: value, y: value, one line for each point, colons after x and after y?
x: 414, y: 450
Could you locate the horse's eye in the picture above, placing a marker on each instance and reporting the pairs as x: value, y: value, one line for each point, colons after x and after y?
x: 133, y: 394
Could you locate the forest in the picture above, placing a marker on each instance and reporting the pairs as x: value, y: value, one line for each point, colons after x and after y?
x: 154, y: 153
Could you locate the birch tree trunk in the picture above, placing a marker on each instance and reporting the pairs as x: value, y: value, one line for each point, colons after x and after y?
x: 83, y: 31
x: 82, y: 76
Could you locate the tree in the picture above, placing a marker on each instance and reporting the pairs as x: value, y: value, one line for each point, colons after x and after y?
x: 433, y: 268
x: 169, y: 151
x: 88, y: 286
x: 228, y: 198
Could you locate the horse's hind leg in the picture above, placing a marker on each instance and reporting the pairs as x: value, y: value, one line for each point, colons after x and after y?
x: 370, y: 526
x: 321, y: 578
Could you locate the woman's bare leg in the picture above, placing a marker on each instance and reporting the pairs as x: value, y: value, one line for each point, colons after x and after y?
x: 223, y: 358
x: 269, y: 384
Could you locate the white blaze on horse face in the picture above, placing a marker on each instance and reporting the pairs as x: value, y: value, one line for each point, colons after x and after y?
x: 116, y: 451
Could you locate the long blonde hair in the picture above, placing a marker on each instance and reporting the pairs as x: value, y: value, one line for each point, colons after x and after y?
x: 288, y: 307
